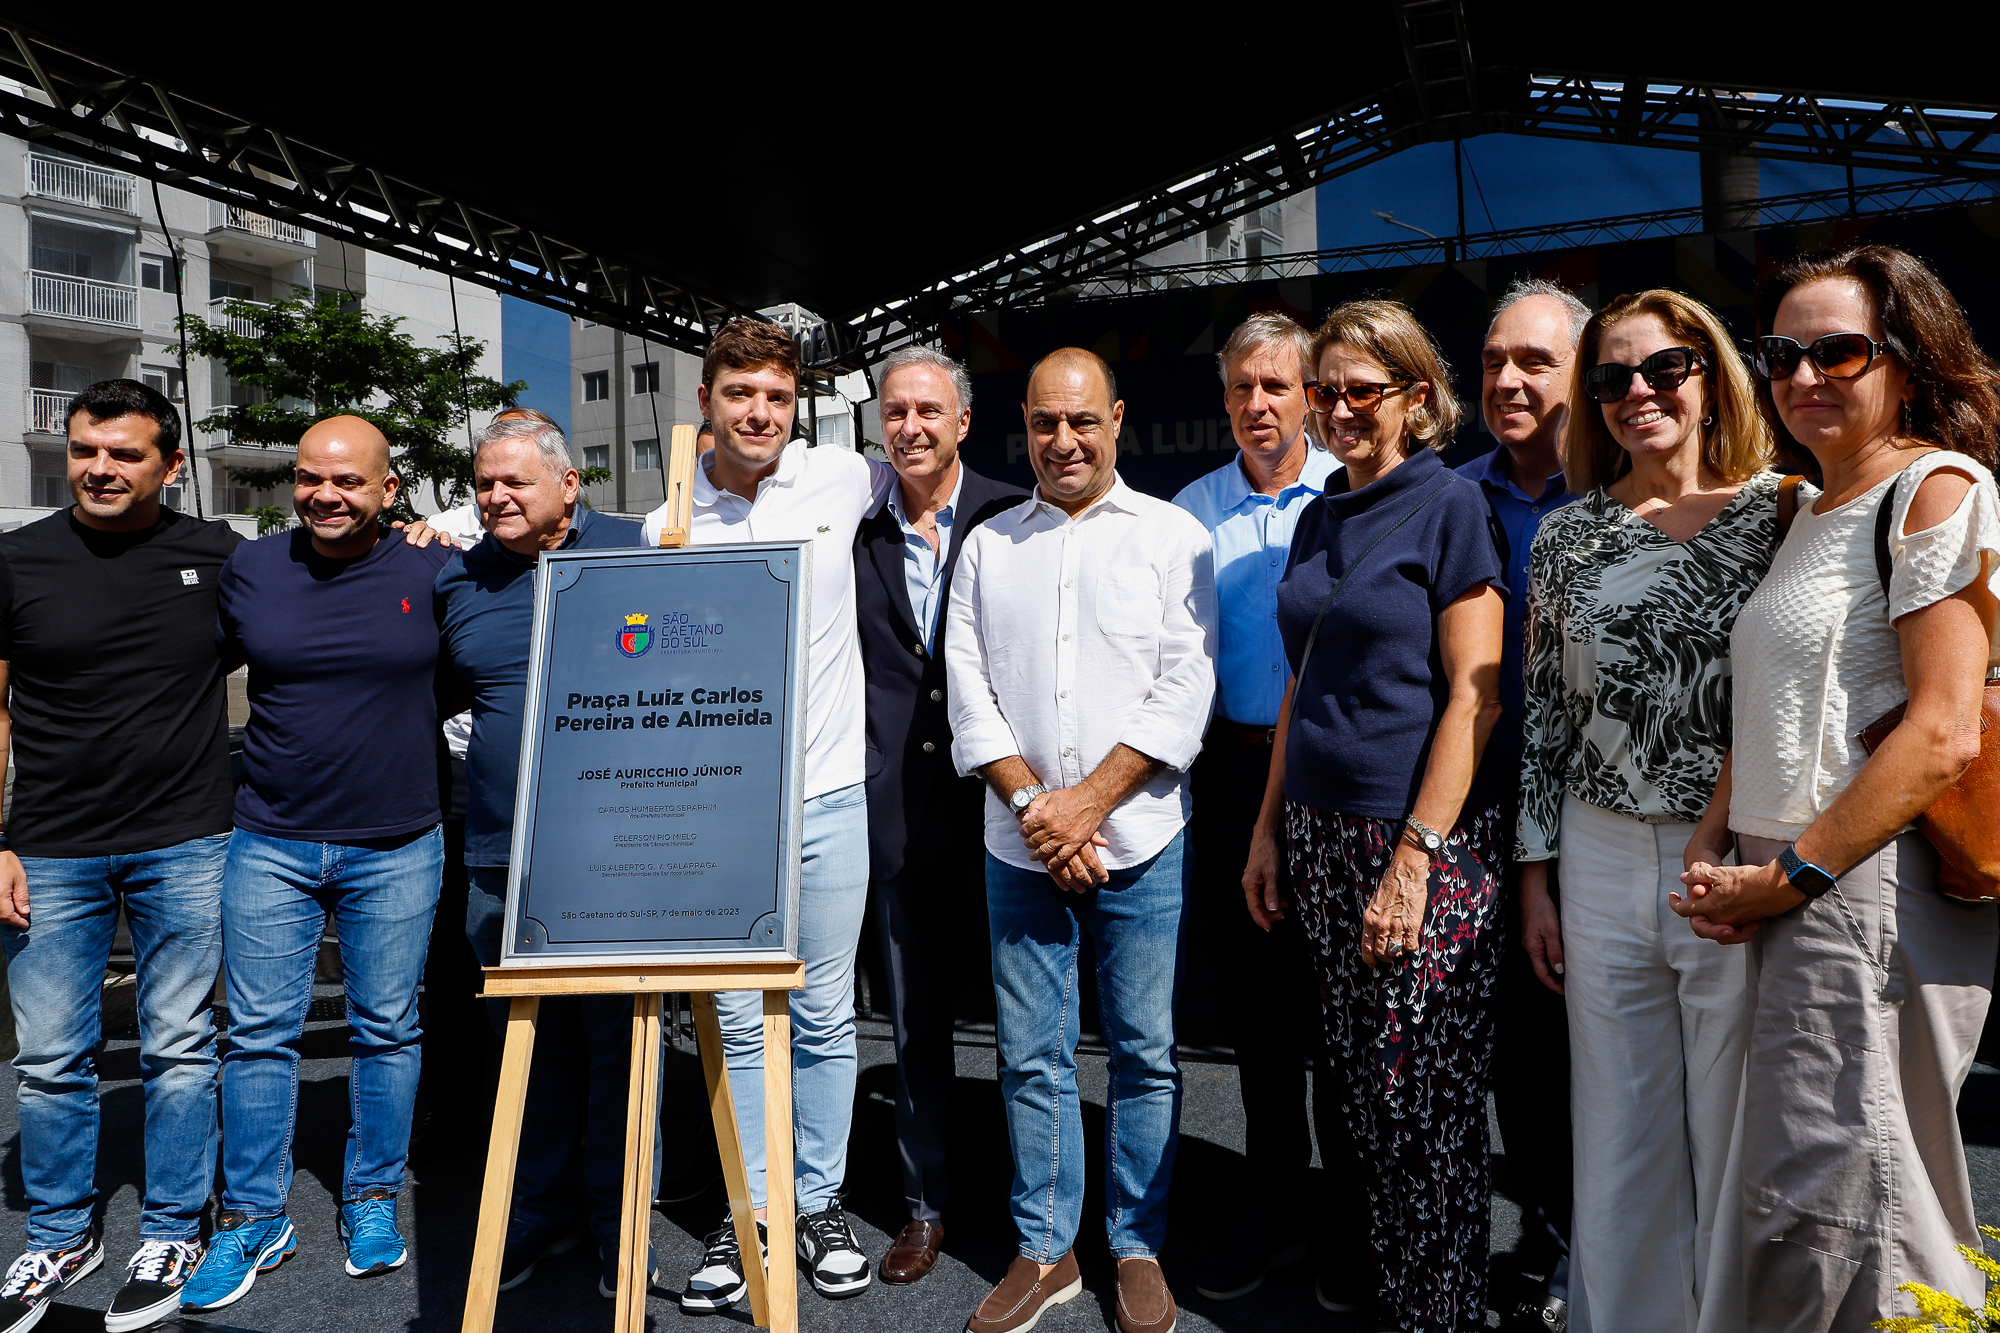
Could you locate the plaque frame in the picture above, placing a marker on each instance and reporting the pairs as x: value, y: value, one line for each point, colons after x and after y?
x: 566, y: 567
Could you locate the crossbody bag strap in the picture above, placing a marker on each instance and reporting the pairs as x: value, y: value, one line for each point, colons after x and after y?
x: 1883, y: 517
x: 1312, y: 636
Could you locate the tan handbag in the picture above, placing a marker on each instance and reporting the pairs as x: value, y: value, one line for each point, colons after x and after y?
x: 1964, y: 823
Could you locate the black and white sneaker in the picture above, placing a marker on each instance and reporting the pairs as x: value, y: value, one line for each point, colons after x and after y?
x: 33, y: 1280
x: 717, y: 1281
x: 830, y: 1254
x: 153, y: 1282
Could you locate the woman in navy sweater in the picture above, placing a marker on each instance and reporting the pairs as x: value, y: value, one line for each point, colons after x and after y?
x: 1387, y: 829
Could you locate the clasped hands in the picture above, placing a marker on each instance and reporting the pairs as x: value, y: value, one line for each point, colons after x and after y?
x: 1727, y: 904
x: 1060, y: 828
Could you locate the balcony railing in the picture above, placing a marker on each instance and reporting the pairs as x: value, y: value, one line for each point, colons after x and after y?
x: 49, y: 410
x: 243, y: 326
x: 80, y: 183
x: 230, y: 217
x: 87, y: 299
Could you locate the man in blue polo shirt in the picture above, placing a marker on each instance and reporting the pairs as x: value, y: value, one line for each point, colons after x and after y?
x: 1527, y: 364
x: 337, y: 816
x: 527, y: 490
x: 1249, y: 506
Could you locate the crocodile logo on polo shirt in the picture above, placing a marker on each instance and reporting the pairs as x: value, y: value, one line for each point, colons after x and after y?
x: 635, y: 638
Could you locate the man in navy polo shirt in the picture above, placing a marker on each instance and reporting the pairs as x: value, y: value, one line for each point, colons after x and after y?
x: 337, y: 816
x: 1528, y: 363
x: 527, y: 491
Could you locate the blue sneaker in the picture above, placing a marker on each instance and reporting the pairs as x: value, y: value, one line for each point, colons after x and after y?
x: 368, y: 1230
x: 239, y: 1250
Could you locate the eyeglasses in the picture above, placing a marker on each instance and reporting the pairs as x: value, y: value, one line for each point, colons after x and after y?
x: 1363, y: 398
x: 1837, y: 356
x: 1664, y: 370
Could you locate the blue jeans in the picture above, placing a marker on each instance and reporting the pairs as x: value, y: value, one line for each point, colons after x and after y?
x: 276, y: 898
x: 55, y: 969
x: 833, y: 899
x: 1134, y: 924
x: 576, y: 1086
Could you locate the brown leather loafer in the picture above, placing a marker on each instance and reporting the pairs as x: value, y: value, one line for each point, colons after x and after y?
x: 913, y: 1253
x: 1016, y: 1305
x: 1144, y: 1303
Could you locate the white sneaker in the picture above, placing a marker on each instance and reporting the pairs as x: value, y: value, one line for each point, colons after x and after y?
x: 829, y: 1252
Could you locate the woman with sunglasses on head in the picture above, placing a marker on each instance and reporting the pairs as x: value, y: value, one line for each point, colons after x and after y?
x: 1870, y: 985
x: 1386, y: 829
x: 1633, y: 588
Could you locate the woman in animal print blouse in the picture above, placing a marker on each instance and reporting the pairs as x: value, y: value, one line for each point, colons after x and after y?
x: 1633, y: 590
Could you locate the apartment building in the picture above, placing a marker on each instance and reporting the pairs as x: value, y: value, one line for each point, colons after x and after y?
x: 96, y: 292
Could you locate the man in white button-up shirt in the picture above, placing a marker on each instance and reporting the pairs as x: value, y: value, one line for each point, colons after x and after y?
x: 1079, y: 654
x: 759, y: 485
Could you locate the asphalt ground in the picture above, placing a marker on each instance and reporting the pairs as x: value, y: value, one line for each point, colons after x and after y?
x: 311, y: 1293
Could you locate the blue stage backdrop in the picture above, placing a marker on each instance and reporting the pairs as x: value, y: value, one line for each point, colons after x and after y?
x: 1162, y: 345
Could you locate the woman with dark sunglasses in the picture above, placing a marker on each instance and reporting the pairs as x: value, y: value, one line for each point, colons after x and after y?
x: 1871, y: 985
x: 1633, y: 588
x: 1388, y: 827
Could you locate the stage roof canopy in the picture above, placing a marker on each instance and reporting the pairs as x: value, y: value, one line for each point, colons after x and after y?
x: 885, y: 169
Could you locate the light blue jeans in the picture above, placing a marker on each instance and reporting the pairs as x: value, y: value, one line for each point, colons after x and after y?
x: 55, y: 969
x: 1134, y: 924
x: 276, y: 898
x: 833, y: 899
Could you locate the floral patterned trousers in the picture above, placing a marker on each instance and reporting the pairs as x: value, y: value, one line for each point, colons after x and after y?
x: 1411, y: 1042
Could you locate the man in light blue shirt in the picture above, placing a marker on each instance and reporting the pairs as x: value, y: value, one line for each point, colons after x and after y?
x: 1250, y: 505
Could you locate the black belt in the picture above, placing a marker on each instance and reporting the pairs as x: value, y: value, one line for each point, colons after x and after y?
x: 1237, y: 733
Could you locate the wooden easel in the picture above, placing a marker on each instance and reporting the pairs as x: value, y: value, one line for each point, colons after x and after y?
x: 773, y: 1288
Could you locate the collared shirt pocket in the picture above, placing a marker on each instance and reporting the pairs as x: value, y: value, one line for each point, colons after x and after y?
x: 1128, y: 602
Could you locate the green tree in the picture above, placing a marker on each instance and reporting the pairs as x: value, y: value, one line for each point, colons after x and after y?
x: 313, y: 356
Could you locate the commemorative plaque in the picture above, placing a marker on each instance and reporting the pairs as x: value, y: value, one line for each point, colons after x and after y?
x: 658, y: 817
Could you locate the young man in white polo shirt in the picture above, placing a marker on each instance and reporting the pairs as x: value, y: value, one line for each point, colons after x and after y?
x: 758, y: 485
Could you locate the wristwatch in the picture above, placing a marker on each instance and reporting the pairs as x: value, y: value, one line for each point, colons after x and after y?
x: 1806, y: 877
x: 1024, y: 797
x: 1427, y: 837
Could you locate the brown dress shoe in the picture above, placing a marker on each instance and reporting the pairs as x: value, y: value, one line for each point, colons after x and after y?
x: 913, y: 1253
x: 1144, y: 1303
x: 1016, y: 1305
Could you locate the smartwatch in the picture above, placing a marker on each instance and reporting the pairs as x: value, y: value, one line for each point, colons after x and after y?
x: 1024, y: 797
x: 1806, y: 877
x: 1427, y: 837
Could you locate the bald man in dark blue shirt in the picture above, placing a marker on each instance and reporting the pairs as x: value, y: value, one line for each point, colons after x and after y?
x: 337, y: 817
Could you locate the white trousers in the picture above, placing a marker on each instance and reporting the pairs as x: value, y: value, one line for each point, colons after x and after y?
x: 1657, y: 1023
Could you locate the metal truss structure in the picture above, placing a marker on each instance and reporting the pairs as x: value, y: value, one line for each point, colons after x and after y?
x: 122, y: 120
x: 1899, y: 197
x: 135, y: 124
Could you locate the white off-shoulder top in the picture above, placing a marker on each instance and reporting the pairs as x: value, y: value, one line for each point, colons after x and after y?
x: 1816, y: 654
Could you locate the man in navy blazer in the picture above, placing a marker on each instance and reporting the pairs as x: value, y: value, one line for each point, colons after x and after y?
x: 925, y: 823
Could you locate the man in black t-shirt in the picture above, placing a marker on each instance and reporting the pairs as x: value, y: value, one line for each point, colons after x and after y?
x: 120, y: 736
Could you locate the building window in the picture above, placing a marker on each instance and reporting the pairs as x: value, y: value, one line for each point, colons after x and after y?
x: 170, y: 496
x: 222, y: 289
x: 162, y: 381
x: 646, y: 378
x: 158, y: 273
x: 231, y: 499
x: 835, y: 430
x: 81, y: 252
x: 596, y: 385
x: 597, y: 455
x: 51, y: 479
x: 645, y: 455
